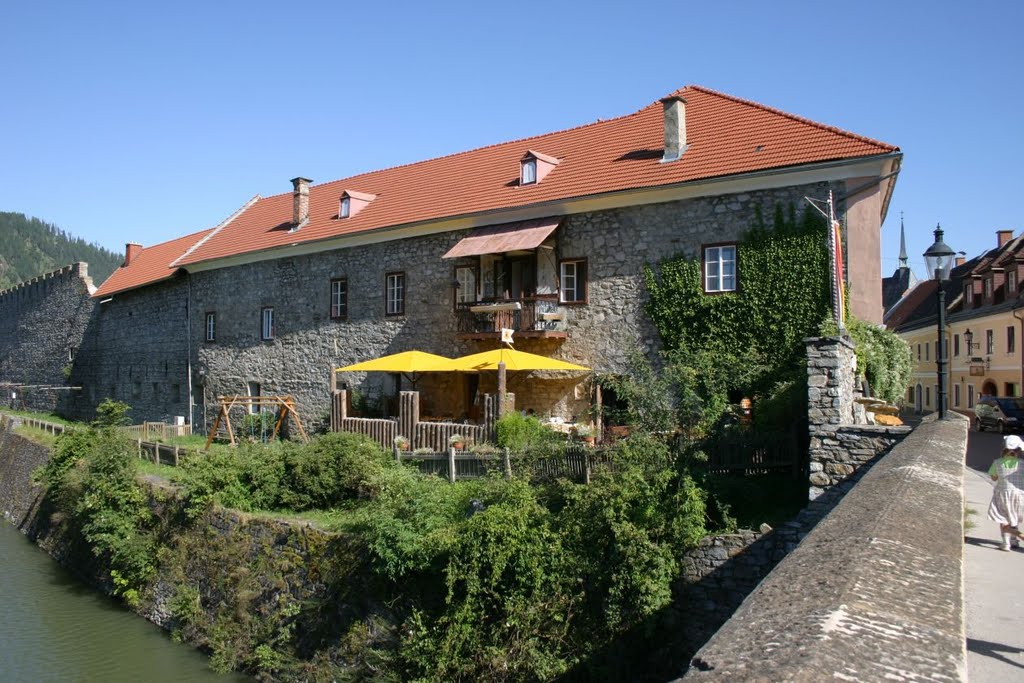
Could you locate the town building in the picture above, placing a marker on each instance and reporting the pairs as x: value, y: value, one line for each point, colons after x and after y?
x: 547, y: 236
x: 984, y: 324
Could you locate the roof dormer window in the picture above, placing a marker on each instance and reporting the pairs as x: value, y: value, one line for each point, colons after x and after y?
x: 353, y: 202
x: 534, y: 166
x: 529, y: 171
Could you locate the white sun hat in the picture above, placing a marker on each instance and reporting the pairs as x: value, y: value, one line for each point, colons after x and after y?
x: 1013, y: 443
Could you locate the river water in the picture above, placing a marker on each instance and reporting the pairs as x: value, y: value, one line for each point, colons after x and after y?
x: 55, y: 628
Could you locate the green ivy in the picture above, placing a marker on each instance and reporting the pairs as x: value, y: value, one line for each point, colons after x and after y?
x: 884, y: 358
x: 783, y: 293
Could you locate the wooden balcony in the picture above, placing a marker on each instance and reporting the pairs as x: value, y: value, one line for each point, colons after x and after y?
x: 528, y: 317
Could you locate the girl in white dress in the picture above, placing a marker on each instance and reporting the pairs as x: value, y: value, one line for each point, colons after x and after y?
x: 1007, y: 506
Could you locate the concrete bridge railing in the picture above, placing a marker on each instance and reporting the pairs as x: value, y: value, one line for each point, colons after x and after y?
x: 874, y: 591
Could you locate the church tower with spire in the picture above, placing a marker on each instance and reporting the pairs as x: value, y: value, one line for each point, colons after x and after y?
x: 901, y: 281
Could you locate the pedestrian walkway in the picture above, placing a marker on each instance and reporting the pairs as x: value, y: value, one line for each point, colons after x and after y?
x: 993, y: 590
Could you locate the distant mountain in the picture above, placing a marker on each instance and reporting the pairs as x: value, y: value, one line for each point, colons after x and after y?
x: 31, y: 247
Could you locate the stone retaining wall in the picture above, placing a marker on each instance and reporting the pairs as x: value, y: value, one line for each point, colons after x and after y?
x: 874, y: 591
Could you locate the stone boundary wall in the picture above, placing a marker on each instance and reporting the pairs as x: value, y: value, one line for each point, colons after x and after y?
x: 874, y: 591
x: 840, y: 439
x: 42, y: 324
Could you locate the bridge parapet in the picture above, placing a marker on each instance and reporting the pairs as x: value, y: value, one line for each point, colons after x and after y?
x: 874, y: 591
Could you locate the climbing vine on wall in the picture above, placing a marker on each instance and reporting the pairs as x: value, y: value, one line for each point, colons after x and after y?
x: 783, y: 293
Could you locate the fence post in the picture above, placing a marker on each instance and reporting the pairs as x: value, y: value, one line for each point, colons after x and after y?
x: 409, y: 415
x: 398, y: 453
x: 586, y: 466
x: 175, y: 456
x: 451, y: 464
x: 508, y: 463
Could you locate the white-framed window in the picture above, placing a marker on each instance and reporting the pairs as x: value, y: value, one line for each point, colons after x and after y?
x: 928, y: 397
x: 1011, y: 282
x: 211, y: 326
x: 969, y: 294
x: 339, y: 298
x: 465, y: 284
x: 1011, y: 340
x: 918, y: 352
x: 528, y: 173
x: 956, y: 395
x: 267, y: 323
x: 956, y: 344
x: 970, y: 395
x: 990, y: 342
x: 394, y: 294
x: 572, y: 281
x: 988, y: 288
x: 346, y: 207
x: 1011, y: 389
x: 720, y: 268
x: 255, y: 391
x: 927, y: 350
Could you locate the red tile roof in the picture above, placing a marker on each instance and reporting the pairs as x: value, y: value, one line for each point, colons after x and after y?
x: 152, y: 264
x: 725, y: 136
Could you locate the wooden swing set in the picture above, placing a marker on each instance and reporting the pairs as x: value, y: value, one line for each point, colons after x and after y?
x: 284, y: 406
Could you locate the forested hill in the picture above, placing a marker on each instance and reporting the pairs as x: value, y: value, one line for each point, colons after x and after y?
x: 30, y: 247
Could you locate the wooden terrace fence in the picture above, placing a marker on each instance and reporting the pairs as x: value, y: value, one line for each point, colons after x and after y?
x: 158, y: 430
x: 421, y: 434
x: 574, y: 463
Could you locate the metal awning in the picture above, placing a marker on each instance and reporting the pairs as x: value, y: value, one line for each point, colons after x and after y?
x: 497, y: 239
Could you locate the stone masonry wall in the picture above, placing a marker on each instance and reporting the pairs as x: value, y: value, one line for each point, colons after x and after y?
x: 42, y: 323
x: 874, y: 592
x: 135, y: 350
x: 308, y: 343
x: 838, y: 445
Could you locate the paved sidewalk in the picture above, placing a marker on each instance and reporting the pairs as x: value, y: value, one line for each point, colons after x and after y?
x: 994, y: 592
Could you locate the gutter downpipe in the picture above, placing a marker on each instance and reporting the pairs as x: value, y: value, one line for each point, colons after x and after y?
x: 1013, y: 312
x: 188, y: 333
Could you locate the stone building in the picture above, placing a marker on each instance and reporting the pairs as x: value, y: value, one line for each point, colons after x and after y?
x: 547, y: 236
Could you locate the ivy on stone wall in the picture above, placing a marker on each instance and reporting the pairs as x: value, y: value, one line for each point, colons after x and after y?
x: 783, y: 293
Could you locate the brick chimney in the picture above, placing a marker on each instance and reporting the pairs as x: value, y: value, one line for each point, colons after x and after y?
x: 1004, y: 236
x: 300, y: 200
x: 674, y: 108
x: 131, y: 250
x: 961, y: 258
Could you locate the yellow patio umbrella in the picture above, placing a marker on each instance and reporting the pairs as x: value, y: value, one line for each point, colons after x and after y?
x: 513, y: 360
x: 406, y: 361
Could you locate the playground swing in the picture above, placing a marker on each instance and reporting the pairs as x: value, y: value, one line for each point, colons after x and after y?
x: 283, y: 407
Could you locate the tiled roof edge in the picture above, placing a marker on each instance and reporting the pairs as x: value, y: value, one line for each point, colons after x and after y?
x: 794, y: 117
x: 220, y: 226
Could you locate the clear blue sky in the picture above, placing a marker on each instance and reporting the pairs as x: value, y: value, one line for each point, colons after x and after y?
x: 137, y: 121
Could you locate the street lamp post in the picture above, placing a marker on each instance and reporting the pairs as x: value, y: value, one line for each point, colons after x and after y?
x: 939, y: 258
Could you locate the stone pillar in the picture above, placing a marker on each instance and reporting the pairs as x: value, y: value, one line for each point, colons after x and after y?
x: 831, y: 380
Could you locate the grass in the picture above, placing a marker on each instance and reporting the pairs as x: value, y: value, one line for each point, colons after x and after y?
x: 45, y: 417
x: 168, y: 472
x: 969, y: 513
x: 38, y: 435
x: 754, y: 500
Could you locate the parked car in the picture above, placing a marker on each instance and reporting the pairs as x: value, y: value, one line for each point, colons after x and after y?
x: 1003, y: 413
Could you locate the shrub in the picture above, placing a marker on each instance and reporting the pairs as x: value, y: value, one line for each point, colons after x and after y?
x: 331, y: 470
x: 92, y: 479
x: 519, y: 432
x: 111, y: 413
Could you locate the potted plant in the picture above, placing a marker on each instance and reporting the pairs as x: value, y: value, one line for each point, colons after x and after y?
x: 401, y: 443
x: 585, y: 434
x: 457, y: 441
